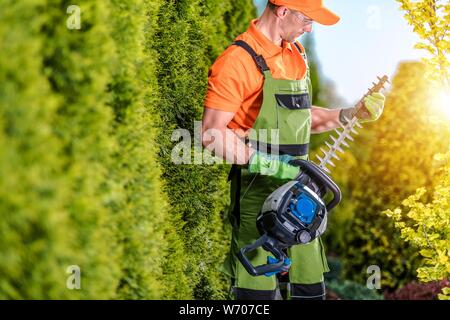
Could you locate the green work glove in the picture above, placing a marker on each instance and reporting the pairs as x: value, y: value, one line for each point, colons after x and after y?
x: 271, y: 165
x: 374, y: 104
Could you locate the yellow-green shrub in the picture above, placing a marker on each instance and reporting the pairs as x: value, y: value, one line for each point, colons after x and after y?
x: 427, y: 226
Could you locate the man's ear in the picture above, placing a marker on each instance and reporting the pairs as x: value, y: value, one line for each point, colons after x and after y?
x: 282, y: 12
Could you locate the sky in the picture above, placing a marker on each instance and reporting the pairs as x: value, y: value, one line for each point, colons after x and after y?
x: 370, y: 40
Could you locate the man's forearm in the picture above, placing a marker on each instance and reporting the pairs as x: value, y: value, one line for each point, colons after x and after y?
x: 324, y: 119
x: 226, y: 144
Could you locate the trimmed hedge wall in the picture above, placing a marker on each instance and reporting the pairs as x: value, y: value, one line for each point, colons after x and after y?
x: 56, y: 133
x: 140, y: 209
x: 86, y: 117
x: 32, y: 191
x: 196, y: 200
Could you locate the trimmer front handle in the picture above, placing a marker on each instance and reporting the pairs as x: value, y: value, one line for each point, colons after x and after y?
x: 317, y: 174
x: 271, y: 245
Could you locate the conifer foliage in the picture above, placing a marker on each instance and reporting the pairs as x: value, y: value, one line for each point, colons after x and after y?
x: 90, y: 91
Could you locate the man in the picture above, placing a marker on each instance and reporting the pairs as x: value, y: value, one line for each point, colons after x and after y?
x: 262, y: 83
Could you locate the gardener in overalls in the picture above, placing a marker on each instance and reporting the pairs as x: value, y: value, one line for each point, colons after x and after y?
x: 262, y: 81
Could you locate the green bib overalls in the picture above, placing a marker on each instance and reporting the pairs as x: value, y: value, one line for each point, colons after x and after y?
x: 286, y: 107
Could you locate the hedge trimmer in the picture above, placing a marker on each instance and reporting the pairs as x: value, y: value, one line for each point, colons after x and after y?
x: 296, y: 213
x: 347, y: 129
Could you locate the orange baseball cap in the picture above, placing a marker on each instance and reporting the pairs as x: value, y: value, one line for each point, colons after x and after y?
x: 314, y: 9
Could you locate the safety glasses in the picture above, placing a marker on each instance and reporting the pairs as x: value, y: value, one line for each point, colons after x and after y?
x: 302, y: 18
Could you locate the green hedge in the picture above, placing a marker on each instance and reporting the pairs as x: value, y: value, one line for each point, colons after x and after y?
x: 190, y: 31
x: 85, y: 123
x: 56, y: 133
x: 140, y: 210
x: 33, y: 192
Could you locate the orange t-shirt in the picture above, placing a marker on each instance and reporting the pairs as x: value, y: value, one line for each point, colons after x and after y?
x: 235, y: 83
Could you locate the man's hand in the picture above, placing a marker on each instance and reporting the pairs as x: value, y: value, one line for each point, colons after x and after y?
x: 273, y: 165
x: 374, y: 104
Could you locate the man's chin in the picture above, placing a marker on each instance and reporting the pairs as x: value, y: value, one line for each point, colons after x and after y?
x: 295, y: 38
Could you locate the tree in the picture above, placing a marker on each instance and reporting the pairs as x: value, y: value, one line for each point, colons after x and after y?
x: 430, y: 20
x: 394, y: 157
x: 427, y: 225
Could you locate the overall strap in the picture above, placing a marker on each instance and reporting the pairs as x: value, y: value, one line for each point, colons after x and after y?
x: 298, y: 47
x: 259, y: 60
x: 302, y: 53
x: 235, y: 177
x: 308, y: 74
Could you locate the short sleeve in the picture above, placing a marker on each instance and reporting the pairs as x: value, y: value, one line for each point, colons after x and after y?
x: 226, y: 84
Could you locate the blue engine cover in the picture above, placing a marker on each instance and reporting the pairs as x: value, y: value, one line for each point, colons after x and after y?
x: 305, y: 208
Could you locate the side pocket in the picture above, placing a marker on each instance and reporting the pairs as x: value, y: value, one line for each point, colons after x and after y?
x: 326, y: 268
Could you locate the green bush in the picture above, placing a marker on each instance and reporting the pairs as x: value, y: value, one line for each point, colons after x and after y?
x: 139, y: 209
x: 350, y: 290
x: 85, y: 121
x: 32, y: 191
x: 196, y: 200
x: 55, y: 152
x: 346, y: 289
x: 78, y: 65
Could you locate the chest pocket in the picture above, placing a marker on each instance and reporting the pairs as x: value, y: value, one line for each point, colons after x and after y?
x: 293, y: 101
